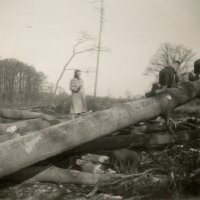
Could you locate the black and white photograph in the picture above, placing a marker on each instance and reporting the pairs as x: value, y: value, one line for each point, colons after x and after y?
x: 99, y: 100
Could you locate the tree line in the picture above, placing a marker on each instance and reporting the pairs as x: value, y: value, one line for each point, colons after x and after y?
x: 19, y: 82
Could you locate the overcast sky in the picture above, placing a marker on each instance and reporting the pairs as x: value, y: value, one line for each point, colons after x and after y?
x: 42, y: 33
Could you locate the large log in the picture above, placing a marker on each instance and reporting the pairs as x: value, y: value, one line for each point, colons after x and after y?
x: 23, y: 114
x: 29, y: 149
x: 58, y: 175
x: 16, y: 129
x: 24, y: 126
x: 134, y: 141
x: 105, y: 143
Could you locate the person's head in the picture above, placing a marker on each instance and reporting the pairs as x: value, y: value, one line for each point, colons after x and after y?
x: 176, y: 64
x: 77, y: 73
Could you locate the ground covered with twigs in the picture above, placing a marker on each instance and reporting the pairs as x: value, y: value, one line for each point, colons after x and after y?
x: 167, y: 172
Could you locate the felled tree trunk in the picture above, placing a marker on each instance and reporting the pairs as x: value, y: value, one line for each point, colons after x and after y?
x: 58, y: 175
x: 108, y: 182
x: 51, y: 174
x: 148, y: 127
x: 138, y: 140
x: 24, y: 126
x: 9, y: 136
x: 17, y: 129
x: 111, y: 143
x: 135, y: 140
x: 29, y: 149
x: 23, y: 114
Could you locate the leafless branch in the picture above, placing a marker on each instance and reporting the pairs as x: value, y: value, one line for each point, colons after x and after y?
x: 76, y: 50
x: 166, y: 54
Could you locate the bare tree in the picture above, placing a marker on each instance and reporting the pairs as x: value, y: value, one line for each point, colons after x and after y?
x: 85, y: 38
x: 166, y: 54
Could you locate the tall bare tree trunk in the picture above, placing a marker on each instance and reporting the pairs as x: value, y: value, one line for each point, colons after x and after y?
x: 98, y: 51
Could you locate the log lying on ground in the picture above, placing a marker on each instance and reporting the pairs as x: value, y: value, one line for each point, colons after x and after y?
x: 16, y: 129
x: 105, y: 143
x: 58, y: 175
x: 95, y: 158
x: 149, y: 128
x: 50, y: 174
x: 24, y: 126
x: 9, y: 136
x: 111, y: 143
x: 23, y: 114
x: 93, y: 163
x: 34, y: 147
x: 108, y: 182
x: 135, y: 140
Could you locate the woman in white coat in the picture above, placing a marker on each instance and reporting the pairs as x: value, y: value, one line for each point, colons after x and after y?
x: 78, y: 104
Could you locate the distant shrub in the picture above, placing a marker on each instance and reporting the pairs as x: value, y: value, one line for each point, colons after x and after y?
x: 62, y: 102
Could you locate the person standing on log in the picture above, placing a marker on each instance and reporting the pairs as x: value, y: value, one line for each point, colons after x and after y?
x: 78, y: 104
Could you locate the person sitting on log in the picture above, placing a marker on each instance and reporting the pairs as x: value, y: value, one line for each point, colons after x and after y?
x: 169, y: 77
x: 195, y: 76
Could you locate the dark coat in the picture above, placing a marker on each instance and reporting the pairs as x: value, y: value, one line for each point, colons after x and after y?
x: 168, y: 77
